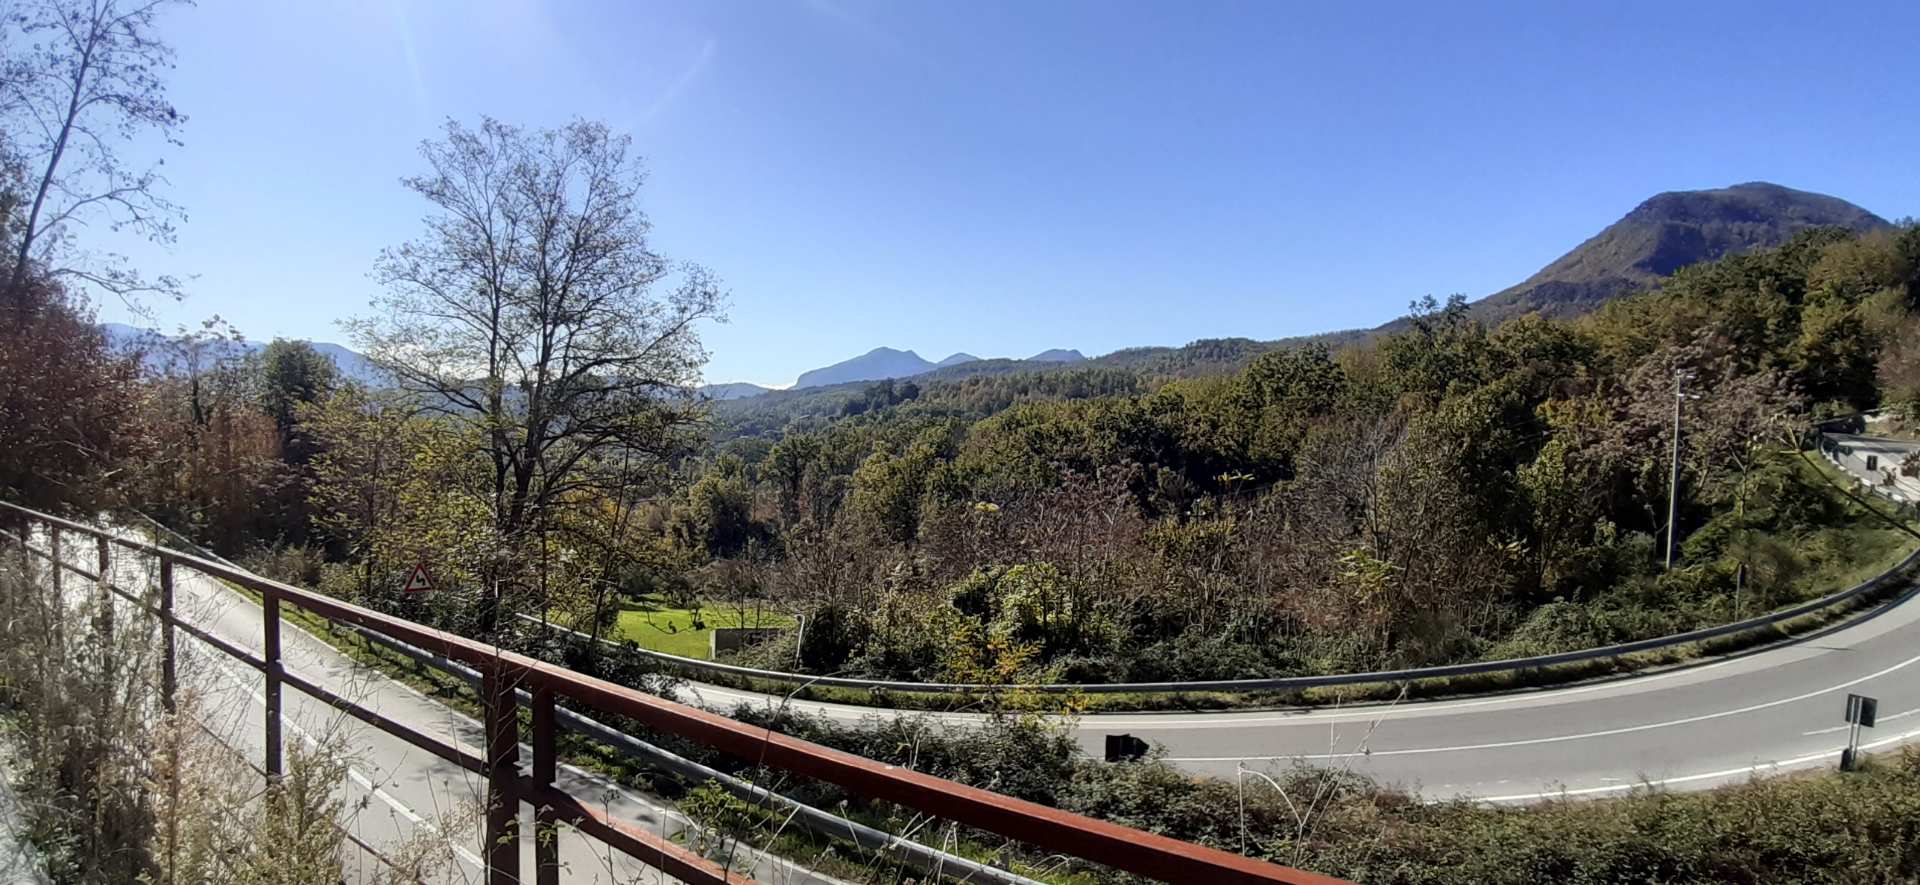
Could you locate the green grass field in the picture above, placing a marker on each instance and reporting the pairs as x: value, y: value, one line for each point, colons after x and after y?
x: 653, y: 624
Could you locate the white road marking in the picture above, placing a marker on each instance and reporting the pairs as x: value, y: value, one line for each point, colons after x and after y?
x: 1795, y: 762
x: 1845, y: 727
x: 1497, y: 745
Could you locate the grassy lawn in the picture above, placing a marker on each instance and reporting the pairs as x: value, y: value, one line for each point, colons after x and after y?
x: 656, y: 625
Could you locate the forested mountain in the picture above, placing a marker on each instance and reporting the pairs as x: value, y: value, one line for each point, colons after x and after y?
x: 1668, y: 232
x: 1449, y: 490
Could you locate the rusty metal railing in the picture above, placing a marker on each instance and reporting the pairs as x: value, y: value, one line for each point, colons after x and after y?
x: 506, y: 673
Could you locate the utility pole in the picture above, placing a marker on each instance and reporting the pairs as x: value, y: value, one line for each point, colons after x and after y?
x: 1673, y: 480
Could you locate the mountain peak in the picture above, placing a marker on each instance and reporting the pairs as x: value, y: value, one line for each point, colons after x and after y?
x: 875, y: 364
x: 1669, y: 231
x: 1057, y: 355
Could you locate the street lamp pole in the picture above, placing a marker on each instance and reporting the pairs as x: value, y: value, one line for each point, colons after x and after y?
x: 1673, y: 480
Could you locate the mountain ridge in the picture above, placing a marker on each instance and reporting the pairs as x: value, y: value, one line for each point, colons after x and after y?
x: 1666, y: 232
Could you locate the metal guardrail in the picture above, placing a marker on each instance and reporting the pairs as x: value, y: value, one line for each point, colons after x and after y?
x: 1900, y: 572
x: 505, y: 674
x: 926, y: 859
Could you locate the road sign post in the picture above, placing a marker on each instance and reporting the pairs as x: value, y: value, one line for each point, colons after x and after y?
x: 1862, y: 711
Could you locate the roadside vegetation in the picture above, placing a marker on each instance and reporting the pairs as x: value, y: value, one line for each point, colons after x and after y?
x: 116, y: 787
x: 1805, y: 827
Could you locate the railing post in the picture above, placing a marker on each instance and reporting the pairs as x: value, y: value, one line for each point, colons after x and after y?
x: 503, y: 768
x: 53, y: 558
x: 59, y: 598
x: 26, y: 549
x: 168, y: 674
x: 270, y: 648
x: 103, y: 586
x: 546, y: 833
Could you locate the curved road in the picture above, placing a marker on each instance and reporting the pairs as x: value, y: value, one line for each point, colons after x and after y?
x: 1713, y: 723
x: 1692, y: 728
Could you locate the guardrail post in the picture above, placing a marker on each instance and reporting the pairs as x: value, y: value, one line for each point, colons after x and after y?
x: 168, y: 675
x: 270, y: 654
x: 503, y: 769
x: 546, y: 834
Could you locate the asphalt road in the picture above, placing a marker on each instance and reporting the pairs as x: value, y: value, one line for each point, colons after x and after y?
x: 1714, y: 723
x: 1887, y: 454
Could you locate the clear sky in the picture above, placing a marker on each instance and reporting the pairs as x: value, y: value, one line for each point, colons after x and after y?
x: 1002, y: 178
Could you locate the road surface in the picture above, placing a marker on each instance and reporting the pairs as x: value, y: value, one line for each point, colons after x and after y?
x: 1887, y: 455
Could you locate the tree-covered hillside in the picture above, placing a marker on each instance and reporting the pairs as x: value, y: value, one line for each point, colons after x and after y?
x: 1446, y: 492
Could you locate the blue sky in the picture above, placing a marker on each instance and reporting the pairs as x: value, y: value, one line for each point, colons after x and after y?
x: 1002, y: 178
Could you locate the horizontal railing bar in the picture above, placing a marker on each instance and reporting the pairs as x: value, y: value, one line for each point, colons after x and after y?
x: 649, y: 848
x: 338, y: 827
x: 924, y: 858
x: 227, y: 648
x: 407, y: 733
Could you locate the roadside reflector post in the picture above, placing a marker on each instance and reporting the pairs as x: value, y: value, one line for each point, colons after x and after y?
x: 546, y: 833
x: 1862, y: 712
x: 270, y: 653
x: 503, y: 769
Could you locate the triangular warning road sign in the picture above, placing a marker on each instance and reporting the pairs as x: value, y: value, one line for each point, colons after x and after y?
x: 417, y: 581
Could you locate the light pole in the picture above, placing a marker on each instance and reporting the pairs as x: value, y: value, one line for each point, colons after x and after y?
x: 1680, y: 378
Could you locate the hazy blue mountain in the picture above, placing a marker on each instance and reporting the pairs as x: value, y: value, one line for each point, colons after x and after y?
x: 956, y: 359
x: 159, y: 355
x: 733, y: 390
x: 1057, y: 355
x: 875, y: 364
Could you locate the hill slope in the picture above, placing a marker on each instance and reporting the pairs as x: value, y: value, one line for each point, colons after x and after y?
x: 1668, y: 232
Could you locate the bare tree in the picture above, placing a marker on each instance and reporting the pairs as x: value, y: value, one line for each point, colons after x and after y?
x: 533, y: 312
x: 79, y: 78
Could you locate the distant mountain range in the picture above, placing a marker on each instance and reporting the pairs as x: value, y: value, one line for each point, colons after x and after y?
x: 1663, y: 234
x: 158, y: 355
x: 733, y: 390
x: 885, y: 362
x: 1669, y: 232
